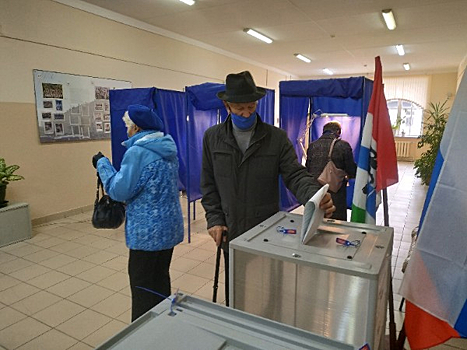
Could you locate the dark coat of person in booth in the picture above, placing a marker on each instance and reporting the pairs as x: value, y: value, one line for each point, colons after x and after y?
x: 342, y: 156
x: 148, y: 183
x: 242, y: 160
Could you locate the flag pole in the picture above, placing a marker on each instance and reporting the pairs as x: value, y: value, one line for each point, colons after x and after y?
x: 392, y: 325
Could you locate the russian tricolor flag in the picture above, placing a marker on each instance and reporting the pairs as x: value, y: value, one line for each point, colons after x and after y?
x: 377, y: 160
x: 435, y: 282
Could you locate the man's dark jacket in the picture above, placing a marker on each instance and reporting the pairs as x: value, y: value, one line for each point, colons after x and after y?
x: 242, y: 190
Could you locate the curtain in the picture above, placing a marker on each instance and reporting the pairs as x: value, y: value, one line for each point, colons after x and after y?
x: 172, y: 109
x: 414, y: 88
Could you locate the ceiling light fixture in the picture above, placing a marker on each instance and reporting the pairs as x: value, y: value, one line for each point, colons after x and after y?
x: 406, y: 66
x: 258, y: 35
x: 400, y: 50
x: 328, y: 71
x: 389, y: 19
x: 303, y: 58
x: 188, y: 2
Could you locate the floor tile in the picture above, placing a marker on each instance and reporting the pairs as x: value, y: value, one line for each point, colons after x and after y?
x: 58, y: 313
x: 76, y: 267
x: 51, y: 340
x: 100, y: 257
x: 95, y: 274
x: 83, y: 324
x: 21, y: 332
x: 36, y: 302
x: 115, y: 282
x: 68, y: 287
x: 57, y: 261
x: 189, y: 283
x: 48, y: 279
x: 6, y: 282
x: 104, y: 333
x: 16, y: 293
x: 29, y: 272
x: 9, y: 316
x: 183, y: 264
x: 114, y: 305
x: 91, y: 295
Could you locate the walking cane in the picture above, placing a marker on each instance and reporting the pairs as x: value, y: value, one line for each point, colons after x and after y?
x: 216, y: 273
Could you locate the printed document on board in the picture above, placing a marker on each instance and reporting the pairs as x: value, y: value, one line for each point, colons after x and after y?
x: 313, y: 215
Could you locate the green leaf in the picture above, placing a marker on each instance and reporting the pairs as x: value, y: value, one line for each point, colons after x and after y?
x: 15, y: 178
x: 11, y: 169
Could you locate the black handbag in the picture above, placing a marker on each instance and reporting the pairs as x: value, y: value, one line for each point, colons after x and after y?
x: 107, y: 212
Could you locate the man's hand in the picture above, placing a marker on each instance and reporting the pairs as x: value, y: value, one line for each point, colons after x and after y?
x: 327, y: 205
x: 216, y: 233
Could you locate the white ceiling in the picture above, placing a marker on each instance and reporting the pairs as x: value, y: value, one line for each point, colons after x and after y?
x: 342, y: 35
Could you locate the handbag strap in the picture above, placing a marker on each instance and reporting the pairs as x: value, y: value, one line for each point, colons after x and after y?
x: 332, y: 146
x: 99, y: 186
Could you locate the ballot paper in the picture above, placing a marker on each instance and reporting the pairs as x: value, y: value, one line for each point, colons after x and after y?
x: 313, y: 215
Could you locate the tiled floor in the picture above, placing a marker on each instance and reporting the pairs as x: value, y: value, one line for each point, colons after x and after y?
x: 67, y: 287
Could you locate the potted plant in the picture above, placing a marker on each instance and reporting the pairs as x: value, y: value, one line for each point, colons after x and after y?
x: 7, y: 175
x: 436, y: 119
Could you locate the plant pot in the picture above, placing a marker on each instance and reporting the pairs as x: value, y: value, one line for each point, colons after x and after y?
x: 2, y: 193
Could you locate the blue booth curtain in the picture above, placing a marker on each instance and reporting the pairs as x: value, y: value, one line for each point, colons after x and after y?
x: 204, y: 109
x: 172, y: 109
x: 293, y: 112
x: 347, y: 95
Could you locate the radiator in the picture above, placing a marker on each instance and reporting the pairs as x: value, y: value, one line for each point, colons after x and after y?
x: 403, y: 149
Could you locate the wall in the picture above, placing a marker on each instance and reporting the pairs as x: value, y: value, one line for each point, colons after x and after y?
x: 45, y: 35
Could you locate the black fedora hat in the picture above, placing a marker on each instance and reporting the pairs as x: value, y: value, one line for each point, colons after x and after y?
x: 241, y: 88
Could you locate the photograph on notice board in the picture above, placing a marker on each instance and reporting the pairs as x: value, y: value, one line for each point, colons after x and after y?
x: 69, y: 107
x: 99, y: 106
x: 98, y: 116
x: 59, y: 129
x: 52, y: 90
x: 102, y: 93
x: 106, y: 127
x: 48, y: 128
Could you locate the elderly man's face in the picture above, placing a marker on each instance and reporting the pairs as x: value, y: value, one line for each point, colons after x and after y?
x: 242, y: 109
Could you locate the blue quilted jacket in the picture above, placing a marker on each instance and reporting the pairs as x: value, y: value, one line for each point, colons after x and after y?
x: 147, y: 182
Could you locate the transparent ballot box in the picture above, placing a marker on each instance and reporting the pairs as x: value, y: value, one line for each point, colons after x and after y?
x: 335, y: 284
x: 194, y: 324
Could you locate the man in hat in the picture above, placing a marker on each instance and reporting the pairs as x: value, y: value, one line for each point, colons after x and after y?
x: 242, y: 160
x: 148, y: 183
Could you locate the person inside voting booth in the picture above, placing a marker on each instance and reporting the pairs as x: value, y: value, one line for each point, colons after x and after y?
x: 242, y: 160
x: 341, y: 155
x: 148, y: 183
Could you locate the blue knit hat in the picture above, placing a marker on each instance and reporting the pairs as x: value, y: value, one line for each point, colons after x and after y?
x: 145, y: 118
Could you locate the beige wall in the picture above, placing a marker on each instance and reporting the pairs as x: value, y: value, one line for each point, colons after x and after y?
x: 42, y: 34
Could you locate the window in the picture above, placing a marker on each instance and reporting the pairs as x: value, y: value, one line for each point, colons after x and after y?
x: 406, y: 117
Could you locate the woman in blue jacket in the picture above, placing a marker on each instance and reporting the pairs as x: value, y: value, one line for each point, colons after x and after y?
x: 148, y: 183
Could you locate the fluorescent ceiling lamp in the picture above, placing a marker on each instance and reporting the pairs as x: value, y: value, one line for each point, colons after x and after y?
x: 188, y: 2
x: 400, y: 50
x: 303, y: 58
x: 328, y: 71
x: 257, y: 35
x: 389, y: 19
x: 406, y: 66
